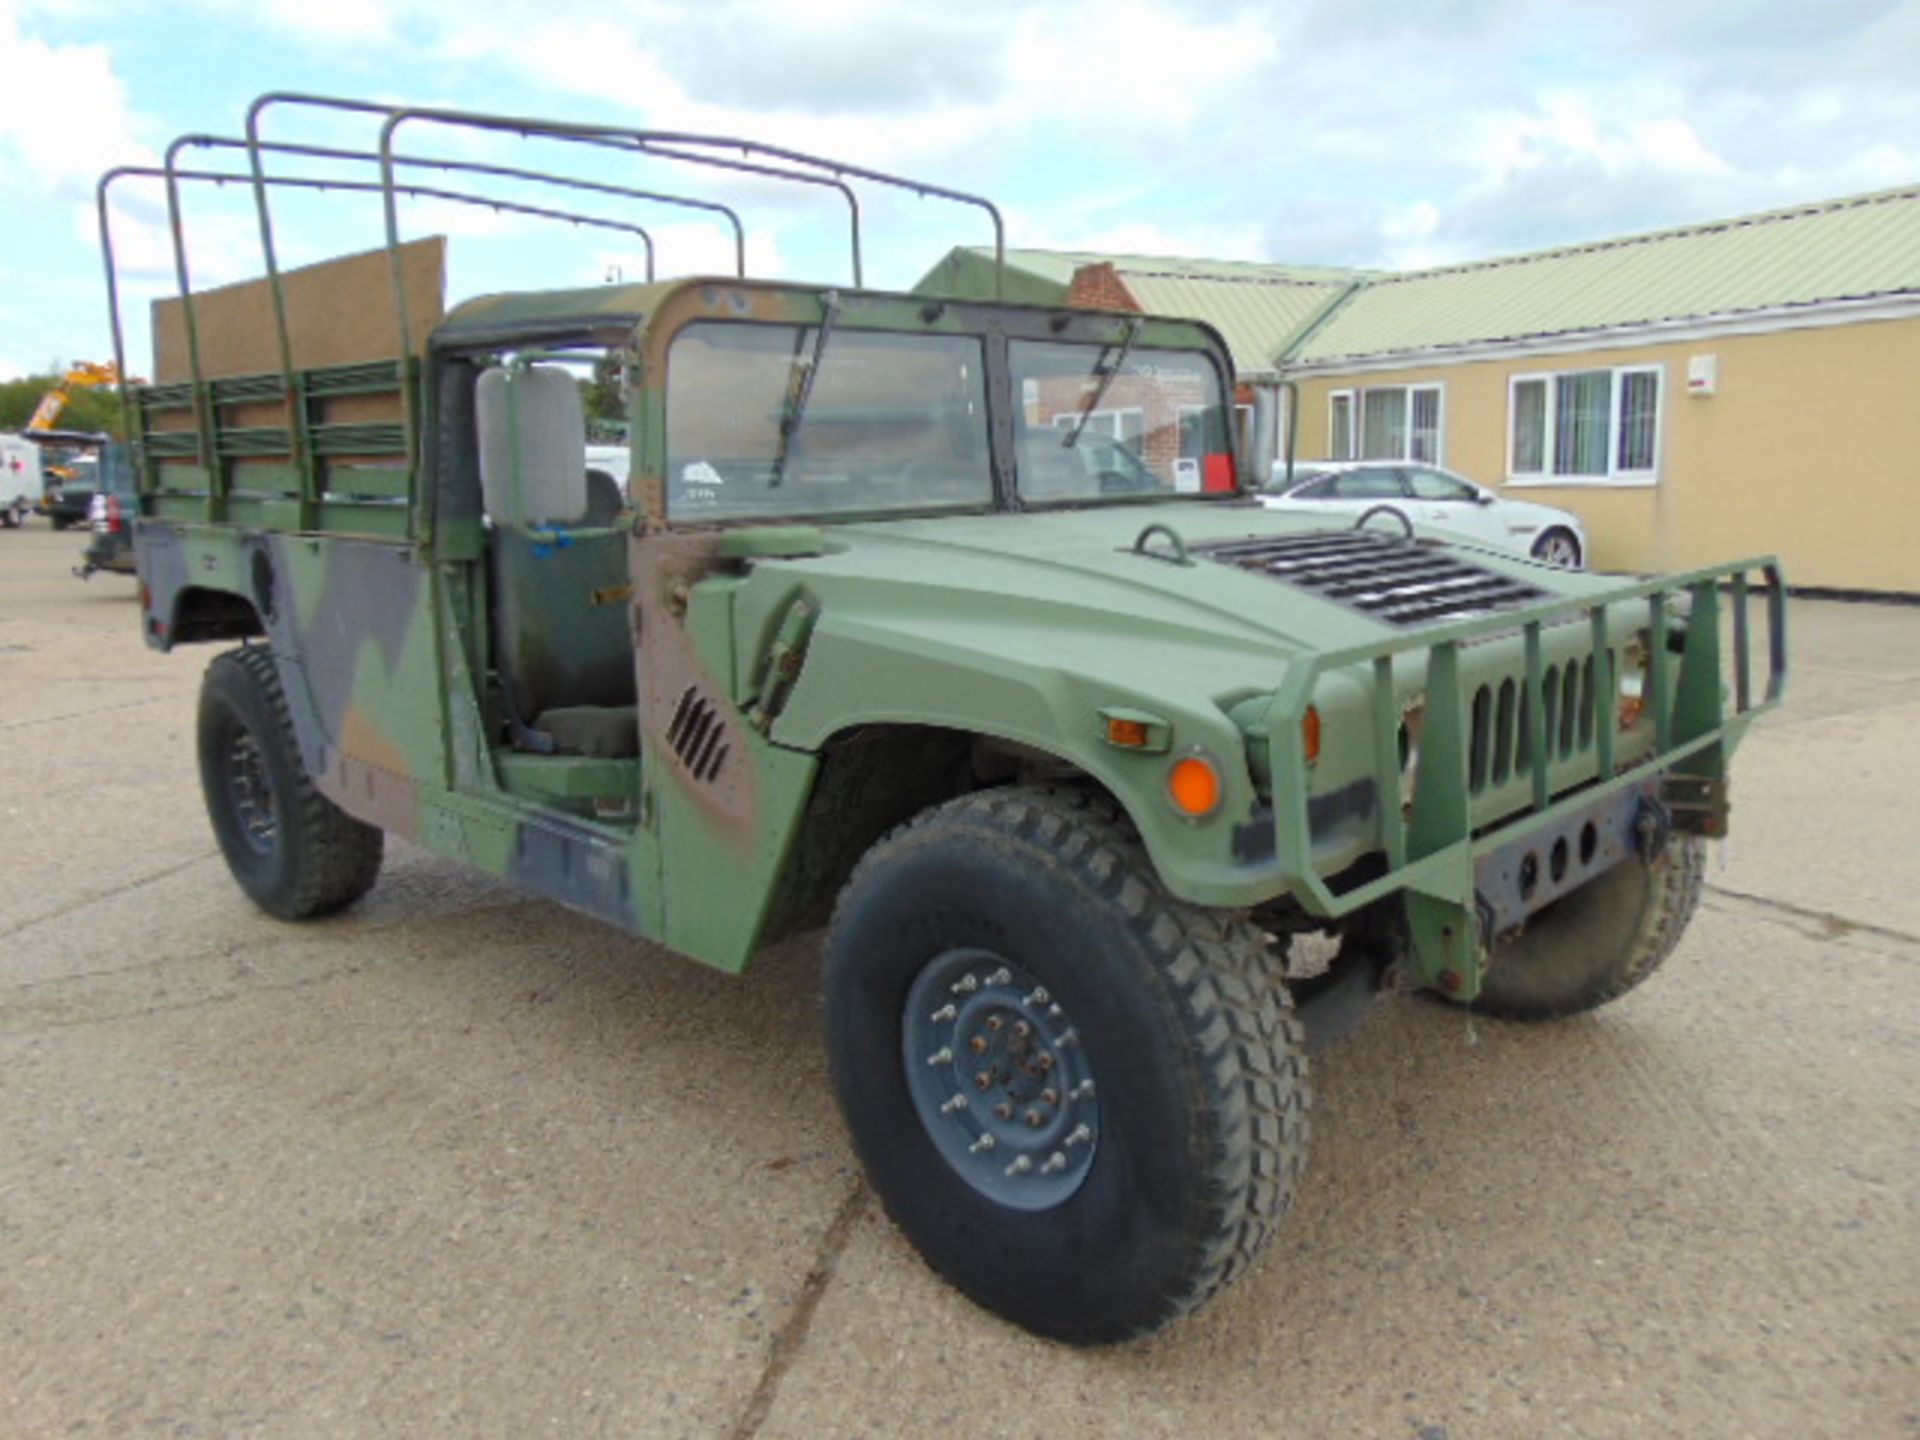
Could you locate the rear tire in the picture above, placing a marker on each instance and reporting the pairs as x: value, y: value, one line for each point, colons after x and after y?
x: 1145, y: 1086
x: 294, y: 852
x: 1595, y: 944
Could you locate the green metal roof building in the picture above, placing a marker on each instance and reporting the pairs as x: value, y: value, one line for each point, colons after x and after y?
x: 1746, y: 384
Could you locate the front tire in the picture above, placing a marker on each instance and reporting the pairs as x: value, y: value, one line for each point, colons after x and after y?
x: 294, y: 852
x: 1082, y: 1100
x: 1593, y: 945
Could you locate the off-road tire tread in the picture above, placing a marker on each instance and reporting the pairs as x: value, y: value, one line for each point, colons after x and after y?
x: 1677, y: 880
x: 345, y: 853
x: 1239, y: 1018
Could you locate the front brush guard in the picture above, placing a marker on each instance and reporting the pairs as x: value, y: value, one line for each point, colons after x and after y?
x: 1449, y: 874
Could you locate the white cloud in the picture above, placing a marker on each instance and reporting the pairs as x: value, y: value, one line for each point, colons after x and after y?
x: 1320, y: 132
x: 1137, y: 237
x: 64, y: 116
x: 693, y: 248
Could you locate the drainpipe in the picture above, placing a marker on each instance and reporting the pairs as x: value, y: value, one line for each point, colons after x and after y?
x: 1260, y: 445
x: 1292, y: 387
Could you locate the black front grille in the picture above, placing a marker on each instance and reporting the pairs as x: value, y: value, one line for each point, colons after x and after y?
x: 1387, y: 577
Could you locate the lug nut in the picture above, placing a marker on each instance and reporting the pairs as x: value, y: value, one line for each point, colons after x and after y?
x: 1002, y: 976
x: 1019, y: 1167
x: 1044, y: 1061
x: 1049, y: 1096
x: 1080, y: 1136
x: 965, y: 985
x: 985, y: 1142
x: 1021, y: 1029
x: 994, y: 1022
x: 942, y: 1056
x: 1003, y: 1110
x: 1082, y: 1091
x: 957, y: 1103
x: 983, y: 1080
x: 945, y: 1012
x: 978, y: 1044
x: 1039, y: 996
x: 1035, y: 1119
x: 1056, y: 1162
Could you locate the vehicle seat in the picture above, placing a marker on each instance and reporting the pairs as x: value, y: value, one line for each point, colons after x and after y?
x: 562, y: 640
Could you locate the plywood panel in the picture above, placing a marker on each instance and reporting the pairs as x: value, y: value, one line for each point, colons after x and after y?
x: 338, y: 312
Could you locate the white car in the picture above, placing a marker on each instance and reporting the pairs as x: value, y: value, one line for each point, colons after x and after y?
x: 1424, y: 499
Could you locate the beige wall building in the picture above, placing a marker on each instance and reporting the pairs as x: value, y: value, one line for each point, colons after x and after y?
x: 1695, y: 395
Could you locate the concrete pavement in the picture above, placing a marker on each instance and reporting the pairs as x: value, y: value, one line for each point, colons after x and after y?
x: 459, y: 1162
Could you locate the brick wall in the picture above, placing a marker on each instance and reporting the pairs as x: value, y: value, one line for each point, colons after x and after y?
x: 1099, y: 287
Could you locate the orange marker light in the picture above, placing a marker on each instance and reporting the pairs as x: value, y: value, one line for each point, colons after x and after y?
x: 1193, y: 785
x: 1127, y: 734
x: 1310, y: 734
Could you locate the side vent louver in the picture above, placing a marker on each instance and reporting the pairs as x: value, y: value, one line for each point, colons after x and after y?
x: 697, y: 735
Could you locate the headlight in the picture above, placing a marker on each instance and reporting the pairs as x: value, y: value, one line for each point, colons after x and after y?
x: 1633, y: 682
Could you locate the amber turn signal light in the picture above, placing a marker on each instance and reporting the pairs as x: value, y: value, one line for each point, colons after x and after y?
x: 1310, y: 734
x: 1127, y: 734
x: 1193, y: 785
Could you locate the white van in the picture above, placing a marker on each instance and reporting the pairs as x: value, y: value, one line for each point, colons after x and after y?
x: 20, y: 479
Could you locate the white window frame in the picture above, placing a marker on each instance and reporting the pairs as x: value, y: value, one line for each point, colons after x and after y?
x: 1439, y: 456
x: 1356, y: 423
x: 1334, y: 447
x: 1615, y: 477
x: 1107, y: 423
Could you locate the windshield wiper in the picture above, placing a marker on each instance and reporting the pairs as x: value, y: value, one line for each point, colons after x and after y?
x: 1106, y: 380
x: 798, y: 395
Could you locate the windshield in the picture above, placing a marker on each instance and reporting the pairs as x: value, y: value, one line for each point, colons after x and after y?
x: 883, y: 422
x: 1110, y: 422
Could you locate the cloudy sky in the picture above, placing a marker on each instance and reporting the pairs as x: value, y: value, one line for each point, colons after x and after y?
x: 1392, y: 135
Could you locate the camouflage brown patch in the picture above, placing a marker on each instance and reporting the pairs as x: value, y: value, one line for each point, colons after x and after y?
x: 686, y: 714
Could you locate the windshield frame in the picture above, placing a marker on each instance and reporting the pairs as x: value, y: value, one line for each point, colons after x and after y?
x: 994, y: 324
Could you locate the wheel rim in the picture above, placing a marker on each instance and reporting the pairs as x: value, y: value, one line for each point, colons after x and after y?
x: 999, y: 1079
x: 1559, y: 550
x: 250, y: 793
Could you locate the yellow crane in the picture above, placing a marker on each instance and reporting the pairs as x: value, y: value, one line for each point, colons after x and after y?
x: 83, y: 376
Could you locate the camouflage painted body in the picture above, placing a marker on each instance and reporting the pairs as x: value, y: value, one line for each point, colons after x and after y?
x: 802, y: 686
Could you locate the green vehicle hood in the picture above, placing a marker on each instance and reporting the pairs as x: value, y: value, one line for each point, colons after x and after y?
x: 942, y: 611
x: 1081, y: 567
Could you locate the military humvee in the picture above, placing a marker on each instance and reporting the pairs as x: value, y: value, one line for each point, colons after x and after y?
x: 947, y: 624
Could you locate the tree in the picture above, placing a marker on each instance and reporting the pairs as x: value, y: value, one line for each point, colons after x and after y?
x: 96, y: 409
x: 601, y: 396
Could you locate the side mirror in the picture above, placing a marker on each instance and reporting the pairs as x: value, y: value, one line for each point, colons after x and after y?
x: 1483, y: 497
